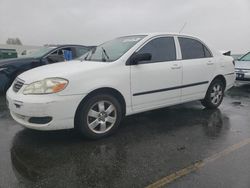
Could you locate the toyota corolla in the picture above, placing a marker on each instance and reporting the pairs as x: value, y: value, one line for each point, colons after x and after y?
x: 118, y: 78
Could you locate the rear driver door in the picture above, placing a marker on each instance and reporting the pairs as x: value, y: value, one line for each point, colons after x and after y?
x: 198, y: 68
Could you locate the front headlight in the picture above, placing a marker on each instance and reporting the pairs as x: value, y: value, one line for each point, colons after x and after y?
x: 46, y: 86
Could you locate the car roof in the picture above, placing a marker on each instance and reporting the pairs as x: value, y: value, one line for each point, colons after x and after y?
x: 163, y: 33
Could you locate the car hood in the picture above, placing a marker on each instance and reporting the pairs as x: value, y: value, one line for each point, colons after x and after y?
x: 62, y: 70
x: 15, y: 61
x: 242, y: 64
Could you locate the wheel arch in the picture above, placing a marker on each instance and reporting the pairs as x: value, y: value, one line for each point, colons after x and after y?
x: 222, y: 78
x: 104, y: 90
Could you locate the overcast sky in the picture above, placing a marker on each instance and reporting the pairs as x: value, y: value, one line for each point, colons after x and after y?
x: 223, y: 23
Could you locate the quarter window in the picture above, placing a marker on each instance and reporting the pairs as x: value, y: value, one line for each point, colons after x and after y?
x: 193, y: 49
x: 162, y: 49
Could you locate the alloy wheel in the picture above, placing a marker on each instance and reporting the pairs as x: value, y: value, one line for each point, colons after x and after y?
x: 216, y: 94
x: 101, y: 117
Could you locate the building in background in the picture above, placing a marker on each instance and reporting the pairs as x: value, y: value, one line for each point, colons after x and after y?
x: 15, y: 41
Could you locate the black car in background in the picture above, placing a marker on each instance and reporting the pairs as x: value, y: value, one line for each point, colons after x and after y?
x: 11, y: 68
x: 8, y: 53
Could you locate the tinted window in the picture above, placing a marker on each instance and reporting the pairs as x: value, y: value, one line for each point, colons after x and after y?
x: 193, y: 49
x: 37, y: 53
x: 81, y: 51
x: 60, y: 55
x: 161, y: 49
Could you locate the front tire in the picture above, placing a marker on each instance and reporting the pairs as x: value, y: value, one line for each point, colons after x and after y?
x: 214, y: 95
x: 99, y: 116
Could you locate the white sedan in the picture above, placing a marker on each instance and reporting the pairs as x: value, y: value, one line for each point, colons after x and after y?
x: 242, y: 69
x: 121, y: 77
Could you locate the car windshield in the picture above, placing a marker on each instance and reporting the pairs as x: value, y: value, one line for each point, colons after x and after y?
x: 112, y: 50
x: 245, y: 57
x: 39, y: 52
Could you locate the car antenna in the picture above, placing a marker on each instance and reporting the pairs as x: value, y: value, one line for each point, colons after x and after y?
x: 183, y: 27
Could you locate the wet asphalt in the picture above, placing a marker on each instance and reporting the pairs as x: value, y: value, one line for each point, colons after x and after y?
x: 146, y: 148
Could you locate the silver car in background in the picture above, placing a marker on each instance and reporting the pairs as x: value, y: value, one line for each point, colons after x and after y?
x: 242, y: 69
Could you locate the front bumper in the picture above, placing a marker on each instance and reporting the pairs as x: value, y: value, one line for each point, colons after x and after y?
x: 242, y: 77
x: 240, y: 82
x: 55, y: 111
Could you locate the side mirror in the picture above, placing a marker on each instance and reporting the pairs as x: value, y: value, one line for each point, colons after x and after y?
x: 136, y: 58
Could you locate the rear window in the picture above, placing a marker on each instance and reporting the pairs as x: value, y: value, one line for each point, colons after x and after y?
x: 193, y: 49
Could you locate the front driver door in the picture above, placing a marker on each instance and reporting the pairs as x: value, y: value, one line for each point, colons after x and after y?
x: 156, y: 83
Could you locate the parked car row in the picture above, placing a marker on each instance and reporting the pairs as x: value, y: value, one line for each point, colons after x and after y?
x: 124, y: 76
x: 11, y: 68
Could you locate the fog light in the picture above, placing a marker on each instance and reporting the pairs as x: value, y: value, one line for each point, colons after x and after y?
x: 40, y: 120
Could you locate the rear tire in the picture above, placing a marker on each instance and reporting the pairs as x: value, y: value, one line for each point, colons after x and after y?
x: 99, y: 116
x: 214, y: 95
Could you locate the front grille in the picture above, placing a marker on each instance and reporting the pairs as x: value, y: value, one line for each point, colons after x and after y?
x: 18, y: 84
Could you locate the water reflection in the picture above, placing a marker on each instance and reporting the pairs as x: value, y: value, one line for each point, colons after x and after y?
x: 140, y: 149
x: 215, y: 122
x: 65, y: 159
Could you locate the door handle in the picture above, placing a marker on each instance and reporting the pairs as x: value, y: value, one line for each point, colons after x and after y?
x: 176, y: 66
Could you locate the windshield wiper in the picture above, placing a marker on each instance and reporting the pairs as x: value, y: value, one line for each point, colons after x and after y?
x: 104, y: 53
x: 86, y: 56
x: 89, y: 54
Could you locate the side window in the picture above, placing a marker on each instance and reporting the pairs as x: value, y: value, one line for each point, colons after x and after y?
x: 67, y: 54
x: 81, y: 51
x: 193, y: 49
x: 207, y: 52
x: 55, y: 57
x: 162, y: 49
x: 60, y: 55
